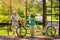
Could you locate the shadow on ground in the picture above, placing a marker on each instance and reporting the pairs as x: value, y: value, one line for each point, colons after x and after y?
x: 36, y: 38
x: 6, y: 38
x: 28, y: 38
x: 57, y: 37
x: 25, y: 38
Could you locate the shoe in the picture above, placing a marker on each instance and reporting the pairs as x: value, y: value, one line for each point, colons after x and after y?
x: 32, y: 37
x: 21, y: 36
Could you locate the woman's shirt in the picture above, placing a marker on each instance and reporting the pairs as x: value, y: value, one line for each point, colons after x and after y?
x: 32, y: 21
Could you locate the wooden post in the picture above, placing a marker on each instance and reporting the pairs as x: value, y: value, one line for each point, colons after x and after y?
x: 10, y: 11
x: 44, y: 12
x: 26, y: 9
x: 10, y: 6
x: 59, y: 17
x: 51, y: 12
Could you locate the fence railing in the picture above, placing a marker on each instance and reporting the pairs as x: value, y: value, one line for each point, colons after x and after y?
x: 7, y: 25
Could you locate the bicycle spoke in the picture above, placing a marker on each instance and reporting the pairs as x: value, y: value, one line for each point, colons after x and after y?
x: 23, y: 31
x: 51, y: 31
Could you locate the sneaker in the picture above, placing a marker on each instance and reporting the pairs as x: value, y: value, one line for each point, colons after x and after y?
x: 20, y: 36
x: 32, y: 37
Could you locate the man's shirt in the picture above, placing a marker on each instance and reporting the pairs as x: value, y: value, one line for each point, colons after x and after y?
x: 15, y: 18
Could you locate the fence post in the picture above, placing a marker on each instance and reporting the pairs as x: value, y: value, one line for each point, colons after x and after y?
x: 59, y: 17
x: 26, y: 9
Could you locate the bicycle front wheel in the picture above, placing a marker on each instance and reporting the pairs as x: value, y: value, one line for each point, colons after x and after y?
x: 21, y: 31
x: 51, y: 31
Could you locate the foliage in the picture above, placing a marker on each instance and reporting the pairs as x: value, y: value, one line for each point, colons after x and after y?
x: 32, y: 6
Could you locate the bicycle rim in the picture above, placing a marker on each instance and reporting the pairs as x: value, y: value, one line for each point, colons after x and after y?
x: 22, y: 31
x: 50, y: 31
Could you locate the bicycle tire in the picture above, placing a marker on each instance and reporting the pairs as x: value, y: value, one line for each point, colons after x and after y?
x: 21, y: 33
x: 50, y: 30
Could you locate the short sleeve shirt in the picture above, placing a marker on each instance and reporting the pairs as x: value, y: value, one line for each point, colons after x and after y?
x: 15, y: 18
x: 31, y: 21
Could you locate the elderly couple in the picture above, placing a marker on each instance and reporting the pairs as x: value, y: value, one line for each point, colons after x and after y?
x: 15, y: 18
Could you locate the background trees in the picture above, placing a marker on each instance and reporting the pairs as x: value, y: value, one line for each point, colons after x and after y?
x: 32, y: 6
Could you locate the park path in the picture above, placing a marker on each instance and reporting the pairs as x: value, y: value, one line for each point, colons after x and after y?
x: 27, y: 38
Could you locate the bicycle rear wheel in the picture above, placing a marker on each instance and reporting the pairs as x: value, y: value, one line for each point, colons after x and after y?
x: 51, y: 31
x: 21, y: 31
